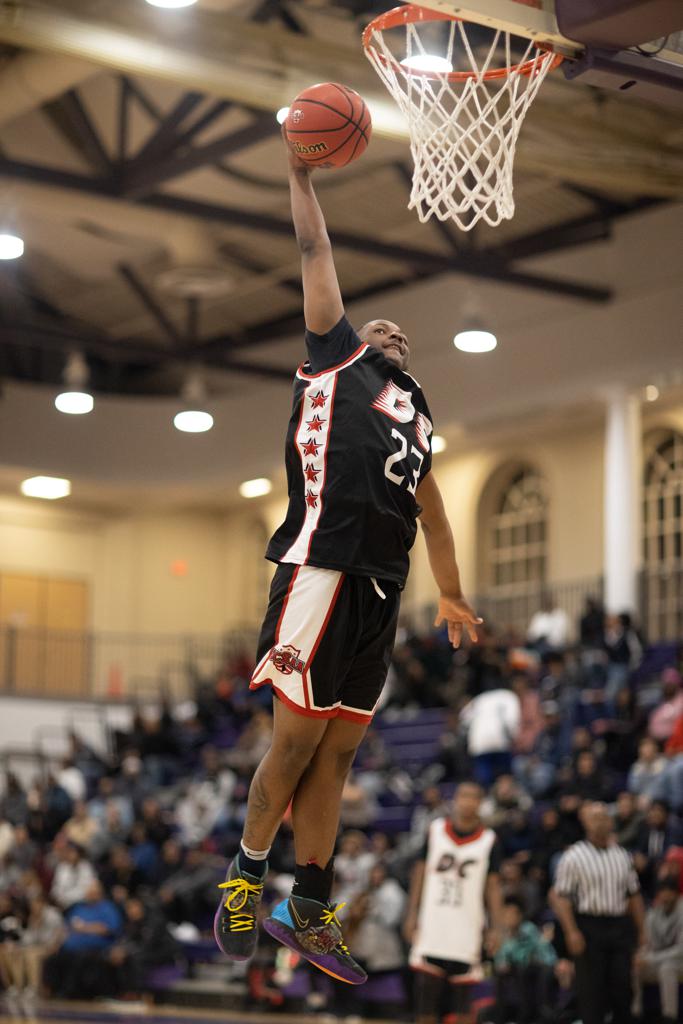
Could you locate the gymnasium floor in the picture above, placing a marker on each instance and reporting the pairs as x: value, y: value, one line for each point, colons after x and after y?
x: 89, y: 1013
x: 100, y: 1013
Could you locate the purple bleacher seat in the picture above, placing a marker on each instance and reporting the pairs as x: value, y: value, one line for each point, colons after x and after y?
x: 299, y: 987
x: 655, y: 658
x: 163, y: 977
x: 201, y: 951
x: 385, y: 988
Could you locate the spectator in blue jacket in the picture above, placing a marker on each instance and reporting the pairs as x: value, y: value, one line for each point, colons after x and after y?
x: 93, y: 925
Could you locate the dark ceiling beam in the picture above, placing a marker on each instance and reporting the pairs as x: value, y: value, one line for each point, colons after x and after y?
x: 143, y: 178
x: 186, y: 136
x: 50, y: 336
x: 607, y: 205
x: 290, y: 21
x: 271, y: 9
x: 72, y: 120
x: 53, y: 176
x: 584, y: 230
x: 457, y: 242
x: 477, y: 265
x: 22, y: 293
x: 572, y: 233
x: 164, y: 139
x: 236, y: 254
x: 150, y: 303
x: 293, y: 323
x: 145, y: 101
x: 123, y: 119
x: 215, y: 111
x: 470, y: 264
x: 192, y: 325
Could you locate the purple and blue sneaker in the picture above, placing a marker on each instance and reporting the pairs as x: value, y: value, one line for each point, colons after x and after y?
x: 312, y: 930
x: 235, y: 923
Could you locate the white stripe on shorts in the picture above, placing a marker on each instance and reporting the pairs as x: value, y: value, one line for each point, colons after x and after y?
x: 305, y: 614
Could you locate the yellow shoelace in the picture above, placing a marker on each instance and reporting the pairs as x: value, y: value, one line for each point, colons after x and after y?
x: 235, y: 901
x: 330, y: 917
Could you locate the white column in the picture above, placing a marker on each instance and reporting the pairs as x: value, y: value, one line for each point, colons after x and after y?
x: 622, y: 510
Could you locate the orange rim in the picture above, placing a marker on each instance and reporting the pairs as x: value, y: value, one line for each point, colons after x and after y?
x: 411, y: 14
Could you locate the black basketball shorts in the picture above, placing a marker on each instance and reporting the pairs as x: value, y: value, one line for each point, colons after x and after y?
x: 326, y: 641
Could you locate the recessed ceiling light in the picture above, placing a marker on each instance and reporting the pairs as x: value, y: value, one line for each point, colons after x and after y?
x: 475, y: 341
x: 173, y: 4
x: 193, y: 421
x: 11, y: 247
x: 438, y: 444
x: 48, y: 487
x: 281, y: 115
x: 75, y: 403
x: 256, y: 488
x: 427, y: 62
x: 651, y: 393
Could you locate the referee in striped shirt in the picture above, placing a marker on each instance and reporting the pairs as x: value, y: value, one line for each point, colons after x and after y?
x: 596, y: 897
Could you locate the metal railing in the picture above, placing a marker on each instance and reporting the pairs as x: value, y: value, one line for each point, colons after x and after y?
x: 512, y: 607
x: 52, y: 663
x: 661, y: 602
x: 67, y: 663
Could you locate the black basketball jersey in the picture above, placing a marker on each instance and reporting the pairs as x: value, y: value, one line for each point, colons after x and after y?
x: 358, y: 445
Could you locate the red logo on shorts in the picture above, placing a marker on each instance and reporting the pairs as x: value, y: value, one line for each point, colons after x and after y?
x: 286, y: 660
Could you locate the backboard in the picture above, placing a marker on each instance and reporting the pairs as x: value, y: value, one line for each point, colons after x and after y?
x: 536, y: 19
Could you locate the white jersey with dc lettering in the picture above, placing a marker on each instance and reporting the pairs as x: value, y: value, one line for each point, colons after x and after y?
x: 452, y: 916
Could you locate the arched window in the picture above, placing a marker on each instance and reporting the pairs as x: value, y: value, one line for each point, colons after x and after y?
x: 663, y: 536
x: 517, y: 530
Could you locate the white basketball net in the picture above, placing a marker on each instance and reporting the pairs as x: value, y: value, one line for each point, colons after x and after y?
x: 462, y: 133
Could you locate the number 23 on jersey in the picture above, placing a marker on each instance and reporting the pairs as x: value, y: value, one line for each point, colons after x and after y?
x: 398, y: 456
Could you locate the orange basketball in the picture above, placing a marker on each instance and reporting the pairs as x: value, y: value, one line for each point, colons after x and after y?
x: 328, y: 125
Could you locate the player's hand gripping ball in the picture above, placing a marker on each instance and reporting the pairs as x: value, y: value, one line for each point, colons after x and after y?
x: 328, y: 125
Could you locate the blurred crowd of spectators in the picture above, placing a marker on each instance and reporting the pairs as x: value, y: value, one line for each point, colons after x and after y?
x: 109, y: 864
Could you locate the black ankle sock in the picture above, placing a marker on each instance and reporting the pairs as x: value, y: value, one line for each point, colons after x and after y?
x: 312, y: 882
x: 252, y: 867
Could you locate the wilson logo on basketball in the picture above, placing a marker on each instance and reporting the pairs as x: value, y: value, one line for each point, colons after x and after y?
x: 286, y: 660
x: 315, y: 147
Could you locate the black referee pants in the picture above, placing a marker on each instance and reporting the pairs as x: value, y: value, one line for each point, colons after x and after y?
x: 603, y: 971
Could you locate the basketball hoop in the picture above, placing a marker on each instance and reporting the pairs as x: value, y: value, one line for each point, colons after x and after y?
x: 464, y: 113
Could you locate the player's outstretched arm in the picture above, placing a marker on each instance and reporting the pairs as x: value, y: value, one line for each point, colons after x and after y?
x: 323, y: 306
x: 453, y: 608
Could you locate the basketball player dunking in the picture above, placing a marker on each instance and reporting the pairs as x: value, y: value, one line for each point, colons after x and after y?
x: 454, y: 883
x: 358, y: 459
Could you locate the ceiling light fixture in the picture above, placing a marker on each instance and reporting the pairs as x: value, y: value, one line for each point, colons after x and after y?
x: 11, y: 247
x: 75, y: 400
x: 474, y: 337
x: 281, y: 115
x: 651, y: 393
x: 438, y: 444
x: 194, y: 419
x: 172, y: 4
x: 48, y: 487
x: 256, y: 488
x: 427, y: 62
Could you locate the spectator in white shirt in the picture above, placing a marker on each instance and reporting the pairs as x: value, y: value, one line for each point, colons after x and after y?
x: 549, y: 627
x: 72, y: 878
x: 492, y: 722
x: 352, y: 866
x: 644, y: 778
x: 71, y: 779
x: 376, y: 913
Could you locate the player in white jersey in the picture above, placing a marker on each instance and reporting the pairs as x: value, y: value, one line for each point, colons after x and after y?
x: 454, y: 884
